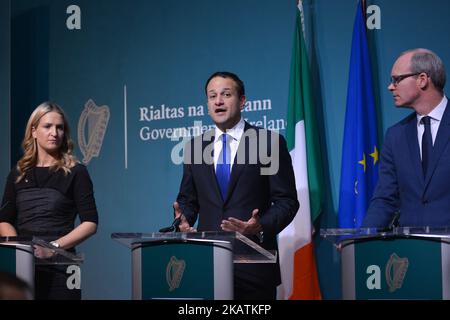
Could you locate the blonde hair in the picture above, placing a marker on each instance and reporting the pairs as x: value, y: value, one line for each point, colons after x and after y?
x: 65, y: 160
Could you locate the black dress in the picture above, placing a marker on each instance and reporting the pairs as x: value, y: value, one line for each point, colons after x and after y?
x: 45, y: 203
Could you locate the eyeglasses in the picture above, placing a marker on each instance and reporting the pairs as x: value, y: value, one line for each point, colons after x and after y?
x: 395, y: 80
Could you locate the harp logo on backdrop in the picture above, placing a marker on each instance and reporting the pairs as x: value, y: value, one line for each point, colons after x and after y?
x: 92, y: 125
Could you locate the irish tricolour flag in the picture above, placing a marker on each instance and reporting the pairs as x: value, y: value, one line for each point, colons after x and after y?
x: 297, y: 260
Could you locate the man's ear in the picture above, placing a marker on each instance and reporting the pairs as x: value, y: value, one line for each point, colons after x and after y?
x: 424, y: 81
x: 243, y: 99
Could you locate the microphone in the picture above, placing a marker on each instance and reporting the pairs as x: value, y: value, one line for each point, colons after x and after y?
x: 175, y: 227
x: 394, y: 222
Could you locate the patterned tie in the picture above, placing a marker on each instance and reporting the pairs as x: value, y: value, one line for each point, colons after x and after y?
x: 223, y: 167
x: 427, y: 145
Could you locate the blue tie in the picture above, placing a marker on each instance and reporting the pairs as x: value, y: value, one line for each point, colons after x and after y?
x: 427, y: 145
x: 223, y: 167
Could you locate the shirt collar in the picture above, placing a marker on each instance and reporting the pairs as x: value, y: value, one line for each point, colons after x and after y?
x: 236, y: 132
x: 437, y: 113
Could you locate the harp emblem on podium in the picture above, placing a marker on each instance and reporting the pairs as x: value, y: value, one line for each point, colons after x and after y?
x: 94, y: 120
x: 396, y: 269
x: 174, y: 272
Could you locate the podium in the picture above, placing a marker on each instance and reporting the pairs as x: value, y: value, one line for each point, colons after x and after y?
x: 17, y: 257
x: 402, y: 263
x: 196, y: 265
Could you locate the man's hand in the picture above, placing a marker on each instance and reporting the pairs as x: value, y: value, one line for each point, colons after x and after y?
x: 250, y: 227
x: 184, y: 225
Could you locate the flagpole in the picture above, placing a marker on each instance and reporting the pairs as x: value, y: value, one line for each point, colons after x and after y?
x: 302, y: 17
x: 363, y: 6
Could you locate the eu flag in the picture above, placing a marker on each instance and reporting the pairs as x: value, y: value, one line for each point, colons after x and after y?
x: 359, y: 170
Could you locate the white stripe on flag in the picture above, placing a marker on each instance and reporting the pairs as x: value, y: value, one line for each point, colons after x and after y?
x: 298, y: 233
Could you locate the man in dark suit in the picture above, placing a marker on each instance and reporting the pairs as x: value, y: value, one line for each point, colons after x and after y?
x: 237, y: 177
x: 414, y: 176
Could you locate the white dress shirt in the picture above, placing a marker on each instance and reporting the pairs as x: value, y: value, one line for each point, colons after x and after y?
x: 435, y: 120
x: 235, y: 135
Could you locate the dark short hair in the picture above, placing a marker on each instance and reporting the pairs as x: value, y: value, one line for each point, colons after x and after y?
x: 224, y: 74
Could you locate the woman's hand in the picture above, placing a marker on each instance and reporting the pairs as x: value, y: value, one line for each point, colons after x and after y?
x: 43, y: 253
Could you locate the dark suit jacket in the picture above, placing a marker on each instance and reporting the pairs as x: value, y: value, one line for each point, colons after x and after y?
x: 274, y: 195
x: 421, y: 201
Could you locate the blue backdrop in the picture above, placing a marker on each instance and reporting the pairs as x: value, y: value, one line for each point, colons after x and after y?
x: 143, y: 59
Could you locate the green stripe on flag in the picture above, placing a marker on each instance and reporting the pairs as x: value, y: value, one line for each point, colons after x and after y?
x: 301, y: 107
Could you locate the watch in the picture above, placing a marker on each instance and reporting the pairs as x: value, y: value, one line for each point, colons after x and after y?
x: 260, y: 236
x: 55, y: 244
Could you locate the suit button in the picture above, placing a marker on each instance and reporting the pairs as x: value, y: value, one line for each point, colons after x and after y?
x: 424, y: 201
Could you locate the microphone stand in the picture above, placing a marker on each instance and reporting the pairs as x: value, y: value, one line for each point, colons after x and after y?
x: 175, y: 227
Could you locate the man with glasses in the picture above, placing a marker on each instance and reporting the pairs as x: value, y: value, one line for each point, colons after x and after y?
x: 414, y: 176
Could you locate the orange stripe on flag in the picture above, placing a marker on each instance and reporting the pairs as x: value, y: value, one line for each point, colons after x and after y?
x: 306, y: 283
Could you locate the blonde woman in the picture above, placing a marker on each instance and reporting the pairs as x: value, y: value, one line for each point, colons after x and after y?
x: 45, y: 192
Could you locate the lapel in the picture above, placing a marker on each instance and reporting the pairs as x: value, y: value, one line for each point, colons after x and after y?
x: 207, y: 140
x: 413, y: 144
x: 441, y: 141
